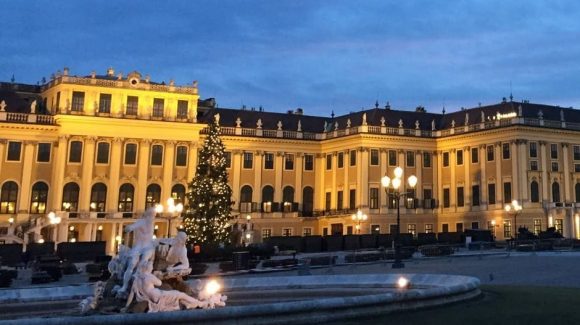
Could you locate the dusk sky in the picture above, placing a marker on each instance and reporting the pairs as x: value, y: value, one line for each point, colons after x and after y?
x: 318, y: 55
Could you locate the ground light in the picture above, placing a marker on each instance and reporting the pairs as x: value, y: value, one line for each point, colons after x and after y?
x: 403, y: 283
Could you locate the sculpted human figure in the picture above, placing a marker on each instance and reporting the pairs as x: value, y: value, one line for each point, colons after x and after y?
x: 177, y: 255
x: 144, y: 289
x: 143, y: 248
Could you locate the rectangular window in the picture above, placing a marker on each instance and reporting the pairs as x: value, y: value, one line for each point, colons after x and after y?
x: 132, y: 105
x: 58, y: 101
x: 555, y: 166
x: 576, y: 152
x: 181, y: 156
x: 105, y: 103
x: 459, y: 157
x: 554, y: 151
x: 460, y: 196
x: 130, y: 154
x: 533, y: 165
x: 14, y: 151
x: 427, y: 193
x: 475, y: 195
x: 339, y: 200
x: 182, y: 109
x: 286, y: 232
x: 446, y: 159
x: 75, y: 152
x: 507, y: 192
x: 577, y: 168
x: 327, y: 201
x: 288, y: 162
x: 352, y: 157
x: 444, y: 227
x: 156, y: 155
x: 559, y: 225
x: 340, y: 160
x: 308, y: 162
x: 307, y: 231
x: 507, y: 229
x: 158, y: 104
x: 537, y: 226
x: 228, y: 158
x: 392, y: 158
x: 374, y: 157
x: 266, y: 233
x: 426, y: 160
x: 328, y: 162
x: 103, y: 152
x: 375, y: 229
x: 474, y: 155
x: 428, y: 228
x: 410, y: 159
x: 374, y: 198
x: 459, y: 226
x: 490, y: 153
x: 491, y: 193
x: 268, y: 160
x: 78, y: 101
x: 43, y: 153
x: 533, y: 150
x: 412, y: 229
x: 446, y: 198
x: 325, y: 231
x: 352, y: 199
x: 248, y: 160
x: 505, y: 149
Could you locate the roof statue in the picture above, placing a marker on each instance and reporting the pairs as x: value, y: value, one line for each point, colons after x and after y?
x: 335, y: 126
x: 562, y: 115
x: 217, y: 118
x: 452, y: 123
x: 325, y: 126
x: 482, y: 117
x: 33, y: 107
x: 541, y: 114
x: 400, y: 122
x: 348, y: 123
x: 417, y: 125
x: 364, y: 119
x: 299, y: 126
x: 383, y: 121
x: 259, y: 124
x: 171, y: 82
x: 520, y: 110
x: 279, y: 125
x: 432, y: 125
x: 466, y: 118
x: 3, y: 106
x: 238, y: 122
x: 195, y: 84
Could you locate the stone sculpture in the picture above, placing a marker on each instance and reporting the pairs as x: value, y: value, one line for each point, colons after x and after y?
x: 452, y: 123
x: 279, y: 125
x: 364, y: 119
x: 33, y: 107
x: 466, y: 118
x: 335, y: 126
x: 432, y: 125
x: 177, y: 255
x: 417, y: 125
x: 91, y: 303
x: 348, y: 123
x: 400, y: 123
x: 259, y: 123
x: 3, y: 106
x: 383, y: 121
x: 299, y: 126
x: 482, y: 117
x: 238, y: 122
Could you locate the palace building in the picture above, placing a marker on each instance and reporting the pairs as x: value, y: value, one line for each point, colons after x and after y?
x: 83, y: 156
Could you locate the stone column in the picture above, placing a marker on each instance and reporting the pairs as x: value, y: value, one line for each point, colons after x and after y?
x: 419, y: 174
x: 319, y: 182
x: 453, y: 185
x: 483, y: 177
x: 278, y: 182
x: 467, y: 187
x: 192, y: 160
x: 566, y: 172
x: 87, y: 173
x: 298, y: 170
x: 365, y: 177
x: 498, y: 179
x: 58, y: 169
x: 333, y: 197
x: 258, y: 169
x: 168, y: 164
x: 142, y: 175
x: 114, y: 174
x: 25, y: 182
x: 437, y: 159
x: 236, y: 173
x: 544, y: 166
x: 516, y: 193
x: 3, y: 152
x: 382, y: 194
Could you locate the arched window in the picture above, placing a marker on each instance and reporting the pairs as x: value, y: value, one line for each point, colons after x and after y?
x: 534, y: 192
x: 178, y: 193
x: 126, y: 194
x: 288, y: 198
x: 98, y: 197
x: 307, y: 201
x: 39, y: 197
x: 555, y: 192
x: 70, y: 197
x: 153, y: 195
x: 246, y: 194
x: 577, y: 190
x: 8, y: 197
x: 267, y: 198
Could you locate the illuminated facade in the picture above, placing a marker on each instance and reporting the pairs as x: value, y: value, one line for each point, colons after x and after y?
x: 97, y: 150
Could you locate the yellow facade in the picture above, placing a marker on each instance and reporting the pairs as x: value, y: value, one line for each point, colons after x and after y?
x: 89, y: 143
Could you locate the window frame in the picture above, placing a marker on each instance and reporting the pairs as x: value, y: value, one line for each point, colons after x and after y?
x: 375, y: 157
x: 474, y: 155
x: 245, y: 155
x: 98, y: 153
x: 288, y: 161
x: 505, y: 153
x: 8, y: 158
x: 38, y: 153
x: 308, y: 160
x: 184, y: 156
x: 161, y: 155
x: 125, y: 154
x: 80, y: 154
x: 412, y: 155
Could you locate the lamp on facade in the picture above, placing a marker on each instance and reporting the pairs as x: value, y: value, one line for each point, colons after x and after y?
x: 395, y: 184
x: 54, y: 221
x: 359, y: 217
x: 173, y: 209
x: 514, y: 208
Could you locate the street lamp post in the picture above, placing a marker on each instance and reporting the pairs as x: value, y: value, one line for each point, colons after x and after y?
x: 514, y: 208
x: 54, y: 221
x: 248, y: 232
x: 174, y: 211
x: 386, y: 181
x: 359, y: 217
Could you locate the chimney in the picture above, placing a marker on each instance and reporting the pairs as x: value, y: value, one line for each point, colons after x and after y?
x: 110, y: 72
x: 65, y: 71
x: 299, y: 111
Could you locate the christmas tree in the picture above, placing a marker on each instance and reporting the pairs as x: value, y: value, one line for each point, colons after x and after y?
x: 208, y: 208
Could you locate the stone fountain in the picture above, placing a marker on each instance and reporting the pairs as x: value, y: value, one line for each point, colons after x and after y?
x: 149, y: 277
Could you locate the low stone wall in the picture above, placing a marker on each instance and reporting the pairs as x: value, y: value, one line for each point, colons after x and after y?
x: 427, y: 290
